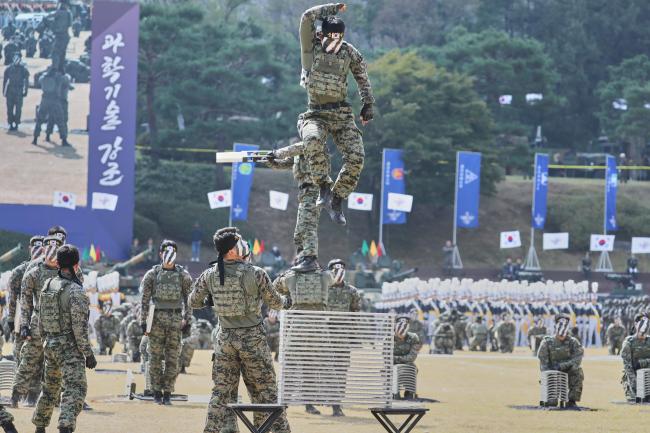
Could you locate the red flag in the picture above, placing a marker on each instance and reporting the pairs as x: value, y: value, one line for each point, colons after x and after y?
x: 380, y: 249
x: 261, y: 247
x: 98, y: 253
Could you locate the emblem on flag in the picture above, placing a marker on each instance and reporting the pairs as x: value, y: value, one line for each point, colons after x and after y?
x: 510, y: 239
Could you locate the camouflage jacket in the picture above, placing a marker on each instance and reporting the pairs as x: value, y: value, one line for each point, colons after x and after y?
x: 148, y: 285
x: 564, y: 355
x: 615, y: 332
x: 134, y: 330
x: 445, y: 330
x: 272, y: 329
x: 15, y: 281
x: 416, y: 327
x: 405, y: 351
x: 343, y: 298
x: 635, y: 354
x: 30, y: 289
x: 107, y: 325
x: 477, y: 330
x: 506, y: 329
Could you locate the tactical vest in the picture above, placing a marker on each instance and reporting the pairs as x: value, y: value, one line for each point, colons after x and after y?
x: 55, y: 314
x: 339, y: 298
x: 559, y: 351
x: 640, y: 349
x: 234, y: 298
x: 328, y: 76
x: 308, y: 288
x: 44, y: 274
x: 479, y: 330
x: 167, y: 292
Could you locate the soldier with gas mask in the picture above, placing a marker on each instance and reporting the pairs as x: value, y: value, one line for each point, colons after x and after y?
x: 30, y: 368
x: 635, y: 354
x: 107, y: 328
x: 563, y: 352
x: 15, y: 84
x: 406, y: 346
x: 15, y: 281
x: 326, y: 62
x: 165, y: 289
x: 235, y: 290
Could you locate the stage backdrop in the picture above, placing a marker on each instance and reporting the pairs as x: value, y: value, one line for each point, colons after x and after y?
x: 106, y: 220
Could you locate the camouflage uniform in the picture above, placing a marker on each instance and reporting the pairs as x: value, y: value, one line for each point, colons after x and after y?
x: 5, y: 417
x: 107, y: 331
x: 133, y: 338
x: 478, y: 335
x: 168, y: 289
x: 59, y: 22
x: 63, y: 322
x: 15, y: 281
x: 406, y: 350
x: 308, y: 291
x: 506, y: 332
x: 535, y: 335
x: 241, y: 346
x: 565, y: 356
x: 615, y: 337
x: 14, y: 87
x: 343, y: 297
x: 50, y: 108
x: 328, y: 112
x: 272, y: 331
x: 459, y: 331
x: 205, y: 333
x: 417, y: 328
x: 636, y: 355
x: 444, y: 339
x: 189, y: 343
x: 30, y: 369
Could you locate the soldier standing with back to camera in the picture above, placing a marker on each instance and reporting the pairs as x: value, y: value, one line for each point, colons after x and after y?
x: 167, y: 286
x: 326, y: 62
x: 235, y: 290
x: 63, y: 324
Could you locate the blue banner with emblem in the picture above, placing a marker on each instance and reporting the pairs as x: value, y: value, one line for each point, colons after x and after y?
x: 540, y: 191
x: 392, y: 181
x: 611, y: 187
x: 468, y: 189
x: 241, y: 183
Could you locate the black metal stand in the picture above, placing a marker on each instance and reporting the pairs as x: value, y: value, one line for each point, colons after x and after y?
x: 274, y: 411
x: 414, y: 415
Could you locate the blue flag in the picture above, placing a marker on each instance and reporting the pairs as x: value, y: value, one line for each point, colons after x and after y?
x: 241, y: 183
x: 393, y: 181
x: 540, y: 191
x: 611, y: 186
x: 468, y: 188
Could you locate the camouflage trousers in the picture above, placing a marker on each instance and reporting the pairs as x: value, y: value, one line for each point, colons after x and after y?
x: 339, y: 123
x: 187, y: 351
x: 30, y: 370
x: 14, y: 107
x: 576, y: 377
x: 629, y: 384
x: 164, y: 345
x: 18, y: 344
x: 133, y: 348
x: 478, y: 342
x: 65, y: 378
x: 443, y: 345
x: 106, y: 343
x: 241, y: 351
x: 615, y: 345
x: 305, y: 235
x: 5, y: 416
x: 507, y: 344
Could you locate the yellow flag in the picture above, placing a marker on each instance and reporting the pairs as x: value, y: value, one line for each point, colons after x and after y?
x: 256, y: 247
x: 92, y: 254
x: 373, y: 249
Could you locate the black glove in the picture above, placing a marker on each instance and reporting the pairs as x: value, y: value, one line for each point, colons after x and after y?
x: 367, y: 112
x: 144, y: 328
x: 11, y: 325
x: 91, y: 362
x: 208, y: 302
x: 636, y: 365
x: 186, y: 327
x: 25, y: 332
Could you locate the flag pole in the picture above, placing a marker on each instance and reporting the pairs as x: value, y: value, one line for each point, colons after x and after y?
x: 232, y: 170
x: 381, y: 208
x: 456, y: 262
x: 604, y: 263
x: 532, y: 262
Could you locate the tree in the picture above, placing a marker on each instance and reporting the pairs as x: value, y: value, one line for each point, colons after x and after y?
x: 430, y: 113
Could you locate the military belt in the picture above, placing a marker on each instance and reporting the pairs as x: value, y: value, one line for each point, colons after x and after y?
x: 305, y: 185
x: 169, y: 310
x: 61, y: 334
x: 330, y: 106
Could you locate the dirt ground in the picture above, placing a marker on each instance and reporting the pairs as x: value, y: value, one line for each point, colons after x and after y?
x: 475, y: 391
x: 31, y: 174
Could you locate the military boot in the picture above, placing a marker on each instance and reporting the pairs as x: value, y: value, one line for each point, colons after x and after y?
x: 32, y: 398
x: 15, y: 398
x: 336, y: 210
x: 337, y: 411
x: 324, y: 196
x: 65, y: 143
x: 310, y: 409
x: 167, y: 398
x: 183, y: 371
x: 35, y: 141
x: 40, y: 430
x: 157, y: 397
x: 9, y: 427
x: 65, y: 430
x: 571, y: 404
x: 408, y: 395
x: 308, y: 264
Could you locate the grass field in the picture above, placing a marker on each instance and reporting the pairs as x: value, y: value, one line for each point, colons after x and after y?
x: 475, y: 391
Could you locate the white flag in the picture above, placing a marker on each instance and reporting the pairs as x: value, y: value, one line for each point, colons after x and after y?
x: 602, y: 243
x: 64, y: 199
x: 278, y: 200
x: 534, y: 97
x: 620, y: 104
x: 505, y: 99
x: 510, y: 239
x: 556, y: 241
x: 102, y: 200
x: 221, y: 198
x: 360, y: 201
x: 640, y: 245
x: 400, y: 202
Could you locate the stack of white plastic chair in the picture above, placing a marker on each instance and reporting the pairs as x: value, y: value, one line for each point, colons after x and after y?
x: 642, y: 384
x: 7, y: 371
x: 405, y: 378
x: 554, y: 388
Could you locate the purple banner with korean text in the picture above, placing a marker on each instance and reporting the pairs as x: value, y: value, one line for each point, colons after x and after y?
x: 97, y: 206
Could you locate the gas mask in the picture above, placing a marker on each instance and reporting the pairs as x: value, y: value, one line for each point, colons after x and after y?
x: 641, y: 326
x: 50, y: 248
x: 562, y: 327
x: 243, y: 249
x: 338, y: 274
x: 332, y: 42
x: 169, y: 255
x: 401, y: 327
x: 107, y: 308
x: 16, y: 60
x: 36, y: 250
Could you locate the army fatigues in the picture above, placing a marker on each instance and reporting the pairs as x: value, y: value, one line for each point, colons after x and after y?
x: 406, y: 350
x: 329, y: 113
x: 417, y: 328
x: 189, y: 343
x: 63, y: 323
x: 15, y: 280
x: 241, y: 346
x: 14, y: 87
x: 205, y: 330
x: 60, y: 22
x: 615, y: 337
x: 107, y: 331
x: 343, y: 298
x: 272, y: 331
x: 478, y: 336
x: 460, y: 325
x: 565, y: 356
x: 133, y: 338
x: 444, y: 339
x: 308, y: 290
x: 535, y: 335
x: 50, y: 108
x: 506, y: 332
x: 5, y: 416
x: 64, y: 86
x: 168, y: 289
x: 636, y: 355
